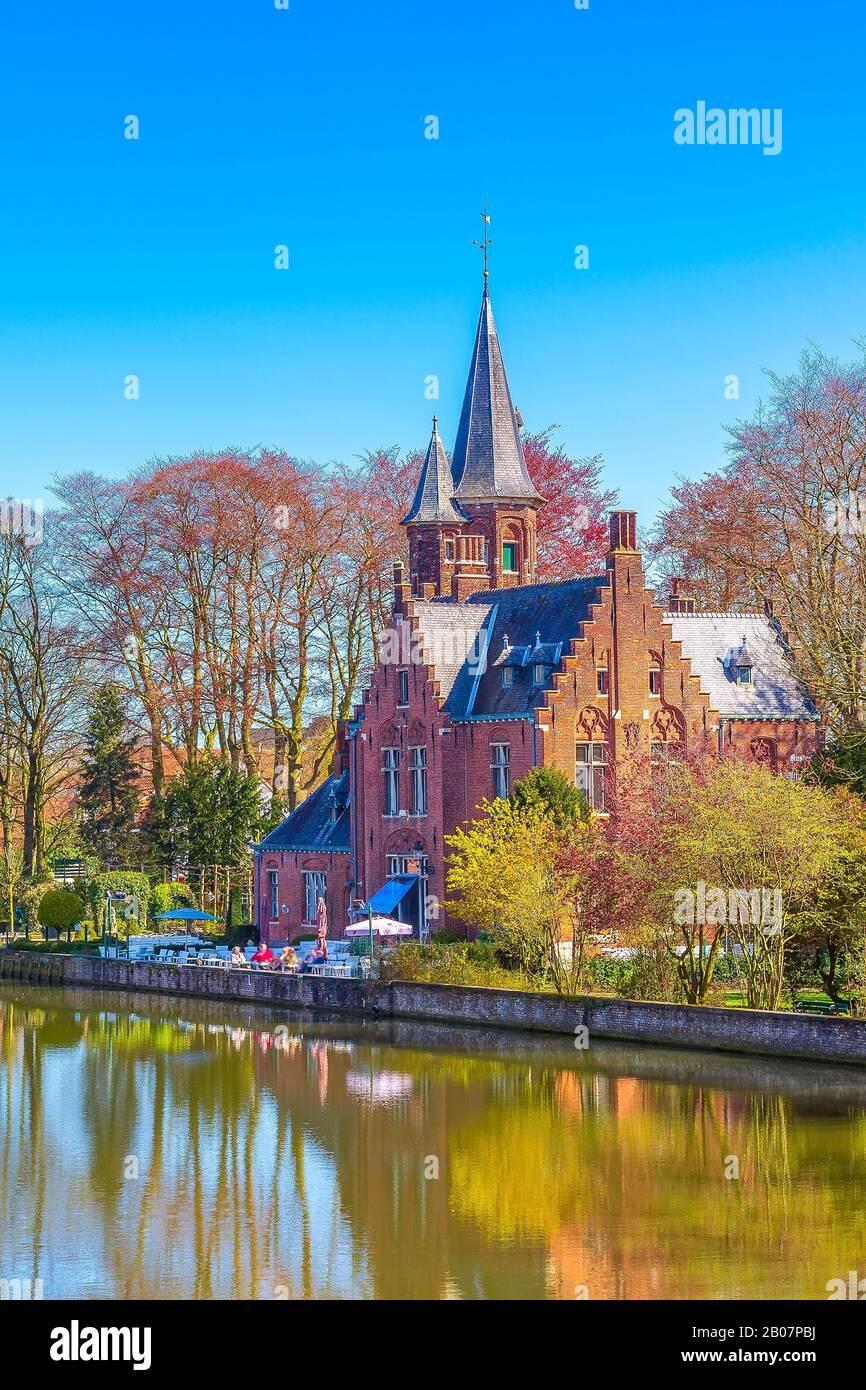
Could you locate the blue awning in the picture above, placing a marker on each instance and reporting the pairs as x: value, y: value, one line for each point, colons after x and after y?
x: 392, y: 892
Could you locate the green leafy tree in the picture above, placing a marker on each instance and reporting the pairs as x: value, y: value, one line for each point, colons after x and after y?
x: 770, y: 841
x: 60, y: 910
x: 505, y: 877
x: 211, y: 811
x: 165, y: 896
x: 830, y: 944
x: 108, y: 794
x: 843, y: 762
x: 273, y: 814
x: 28, y: 895
x: 549, y: 791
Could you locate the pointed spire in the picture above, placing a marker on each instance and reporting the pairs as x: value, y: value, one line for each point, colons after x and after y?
x: 433, y: 495
x: 488, y: 463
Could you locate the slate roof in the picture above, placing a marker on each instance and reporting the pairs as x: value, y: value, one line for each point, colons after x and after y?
x: 310, y: 827
x: 488, y: 460
x: 466, y: 644
x: 714, y: 643
x: 453, y: 634
x: 471, y: 635
x: 432, y: 501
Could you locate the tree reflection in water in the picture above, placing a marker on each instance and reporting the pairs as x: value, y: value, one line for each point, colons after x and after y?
x: 291, y: 1156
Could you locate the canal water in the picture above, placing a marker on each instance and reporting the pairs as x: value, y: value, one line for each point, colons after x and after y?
x: 156, y: 1148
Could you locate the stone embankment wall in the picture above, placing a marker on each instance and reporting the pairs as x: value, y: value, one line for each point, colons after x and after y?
x: 681, y: 1025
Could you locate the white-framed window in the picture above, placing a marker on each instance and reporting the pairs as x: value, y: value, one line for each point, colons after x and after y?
x: 418, y: 769
x: 744, y: 675
x: 655, y: 680
x: 540, y: 673
x: 601, y: 681
x: 590, y: 772
x: 315, y: 887
x: 507, y: 676
x: 449, y: 550
x: 391, y: 780
x: 273, y: 894
x: 500, y: 764
x: 402, y: 686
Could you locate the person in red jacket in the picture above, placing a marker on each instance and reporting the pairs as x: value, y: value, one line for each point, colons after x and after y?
x: 264, y: 955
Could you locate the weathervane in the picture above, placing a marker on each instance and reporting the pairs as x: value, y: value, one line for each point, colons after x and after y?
x: 484, y: 245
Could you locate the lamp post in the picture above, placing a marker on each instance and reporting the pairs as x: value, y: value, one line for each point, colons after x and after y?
x: 361, y: 906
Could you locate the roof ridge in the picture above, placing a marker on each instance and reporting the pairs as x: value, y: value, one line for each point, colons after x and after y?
x: 719, y: 613
x: 594, y: 579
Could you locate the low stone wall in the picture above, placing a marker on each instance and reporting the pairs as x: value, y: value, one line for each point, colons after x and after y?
x: 679, y: 1025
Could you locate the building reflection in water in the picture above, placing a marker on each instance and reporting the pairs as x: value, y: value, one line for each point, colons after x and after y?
x: 182, y: 1149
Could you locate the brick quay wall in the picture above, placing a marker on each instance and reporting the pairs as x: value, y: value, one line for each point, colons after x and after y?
x: 811, y: 1037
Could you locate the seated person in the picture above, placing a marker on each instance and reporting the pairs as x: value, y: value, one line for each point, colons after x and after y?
x: 288, y: 958
x: 264, y: 955
x: 317, y: 956
x: 237, y: 956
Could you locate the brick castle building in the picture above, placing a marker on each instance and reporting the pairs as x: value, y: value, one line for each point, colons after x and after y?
x: 486, y: 673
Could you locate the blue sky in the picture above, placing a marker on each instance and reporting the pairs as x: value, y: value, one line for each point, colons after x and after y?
x: 305, y: 127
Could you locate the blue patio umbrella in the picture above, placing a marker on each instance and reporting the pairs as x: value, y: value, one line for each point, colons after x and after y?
x: 185, y: 914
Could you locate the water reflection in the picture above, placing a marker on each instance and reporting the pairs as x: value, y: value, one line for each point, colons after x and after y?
x: 183, y: 1149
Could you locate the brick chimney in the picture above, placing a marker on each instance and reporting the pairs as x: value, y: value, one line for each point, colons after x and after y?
x: 623, y: 531
x: 678, y: 602
x: 402, y: 587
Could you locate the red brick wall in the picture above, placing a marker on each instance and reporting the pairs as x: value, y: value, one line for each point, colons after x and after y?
x: 787, y: 746
x: 627, y: 635
x: 496, y: 523
x: 387, y: 725
x: 427, y: 557
x: 290, y: 889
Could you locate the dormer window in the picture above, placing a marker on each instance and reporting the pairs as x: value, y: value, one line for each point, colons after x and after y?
x: 738, y: 663
x: 507, y: 676
x: 601, y: 684
x: 539, y: 673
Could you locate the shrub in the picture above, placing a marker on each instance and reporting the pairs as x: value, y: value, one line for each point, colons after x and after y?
x: 549, y: 791
x: 165, y: 896
x: 60, y: 910
x: 648, y: 974
x: 235, y: 910
x: 466, y: 963
x: 29, y: 892
x: 120, y: 881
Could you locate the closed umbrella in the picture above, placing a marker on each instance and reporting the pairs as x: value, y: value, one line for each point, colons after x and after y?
x: 321, y: 920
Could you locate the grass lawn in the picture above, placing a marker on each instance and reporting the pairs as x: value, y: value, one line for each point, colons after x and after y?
x: 736, y: 999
